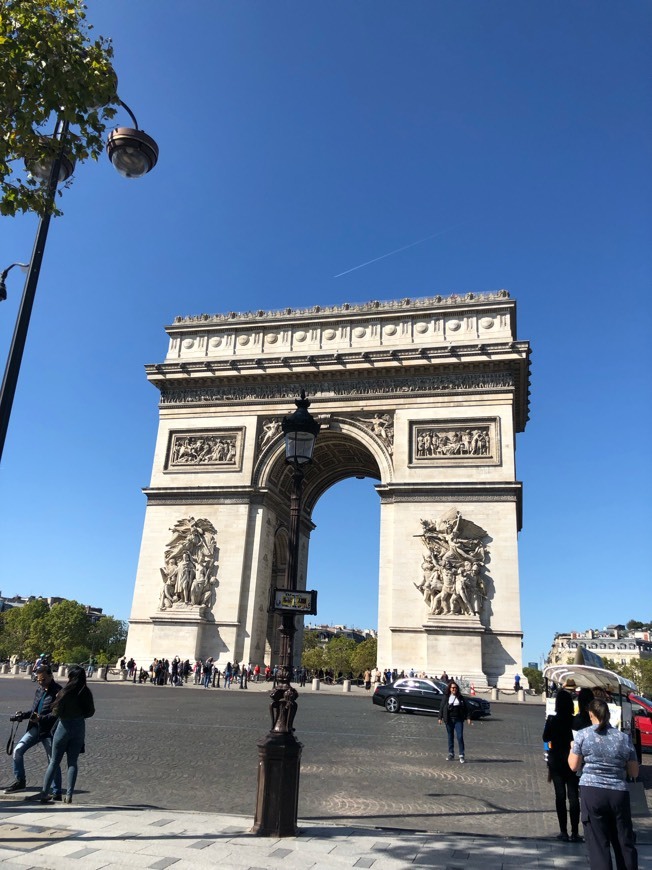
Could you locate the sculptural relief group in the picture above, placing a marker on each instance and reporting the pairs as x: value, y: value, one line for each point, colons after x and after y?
x: 191, y: 565
x: 435, y: 441
x: 453, y: 581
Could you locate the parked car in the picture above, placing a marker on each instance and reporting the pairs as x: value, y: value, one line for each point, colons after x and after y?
x: 422, y: 696
x: 642, y: 713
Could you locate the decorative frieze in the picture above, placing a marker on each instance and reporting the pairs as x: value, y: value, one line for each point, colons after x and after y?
x: 205, y: 450
x: 335, y: 388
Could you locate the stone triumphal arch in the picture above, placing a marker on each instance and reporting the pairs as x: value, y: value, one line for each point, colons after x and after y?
x: 424, y: 396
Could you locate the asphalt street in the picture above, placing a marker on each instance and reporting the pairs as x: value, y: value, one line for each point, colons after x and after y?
x: 195, y: 749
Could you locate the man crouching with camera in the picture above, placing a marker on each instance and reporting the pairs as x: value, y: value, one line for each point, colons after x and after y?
x: 41, y: 723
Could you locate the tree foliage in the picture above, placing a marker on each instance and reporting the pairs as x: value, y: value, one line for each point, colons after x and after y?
x: 65, y: 633
x: 639, y: 671
x: 314, y: 659
x: 109, y: 636
x: 68, y: 625
x: 364, y: 656
x: 310, y: 640
x: 50, y: 66
x: 22, y: 629
x: 340, y: 654
x: 535, y: 678
x: 636, y: 625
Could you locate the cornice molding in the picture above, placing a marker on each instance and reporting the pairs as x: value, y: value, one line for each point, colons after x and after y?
x: 395, y: 306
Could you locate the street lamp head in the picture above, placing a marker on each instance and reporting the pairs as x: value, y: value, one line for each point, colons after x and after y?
x: 42, y: 167
x: 3, y: 278
x: 132, y: 152
x: 300, y: 430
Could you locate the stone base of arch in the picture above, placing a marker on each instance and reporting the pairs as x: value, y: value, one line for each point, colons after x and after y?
x: 454, y: 645
x: 181, y: 632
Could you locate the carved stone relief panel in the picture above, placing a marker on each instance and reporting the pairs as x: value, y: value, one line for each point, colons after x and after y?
x: 467, y: 442
x: 453, y: 580
x: 382, y: 426
x: 206, y: 450
x: 191, y: 565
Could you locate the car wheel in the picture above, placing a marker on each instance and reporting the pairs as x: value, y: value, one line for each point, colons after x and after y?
x: 392, y: 705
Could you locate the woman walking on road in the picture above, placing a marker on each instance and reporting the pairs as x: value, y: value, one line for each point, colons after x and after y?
x: 608, y: 757
x: 452, y: 713
x: 73, y: 705
x: 558, y: 732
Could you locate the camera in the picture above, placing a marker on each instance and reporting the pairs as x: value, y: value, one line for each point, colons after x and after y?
x: 17, y: 717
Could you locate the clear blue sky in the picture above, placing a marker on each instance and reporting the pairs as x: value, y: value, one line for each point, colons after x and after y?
x: 299, y: 140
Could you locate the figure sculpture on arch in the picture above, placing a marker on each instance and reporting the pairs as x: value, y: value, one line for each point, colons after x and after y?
x: 452, y: 581
x: 191, y: 565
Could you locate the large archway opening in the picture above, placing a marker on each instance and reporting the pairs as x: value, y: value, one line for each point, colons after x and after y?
x: 341, y: 521
x: 343, y: 558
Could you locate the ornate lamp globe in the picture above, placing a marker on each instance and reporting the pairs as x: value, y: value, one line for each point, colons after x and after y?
x: 300, y: 430
x: 132, y: 152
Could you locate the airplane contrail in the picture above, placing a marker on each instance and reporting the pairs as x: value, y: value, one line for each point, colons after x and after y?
x: 398, y: 250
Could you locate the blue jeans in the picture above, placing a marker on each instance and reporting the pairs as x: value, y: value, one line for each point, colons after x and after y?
x: 30, y: 739
x: 457, y: 729
x: 68, y: 740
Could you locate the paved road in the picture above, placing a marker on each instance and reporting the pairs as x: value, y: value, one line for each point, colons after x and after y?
x: 195, y: 749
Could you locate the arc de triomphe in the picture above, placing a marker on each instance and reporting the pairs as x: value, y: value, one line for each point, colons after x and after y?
x: 425, y: 396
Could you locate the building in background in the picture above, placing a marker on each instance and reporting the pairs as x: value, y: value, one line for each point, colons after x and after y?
x: 613, y: 642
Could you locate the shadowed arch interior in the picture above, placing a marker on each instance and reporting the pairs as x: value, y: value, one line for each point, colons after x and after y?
x: 337, y: 456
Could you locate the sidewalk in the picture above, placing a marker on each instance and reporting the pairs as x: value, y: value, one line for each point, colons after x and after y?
x: 61, y: 837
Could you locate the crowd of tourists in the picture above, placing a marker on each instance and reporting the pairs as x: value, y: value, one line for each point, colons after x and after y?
x: 208, y: 673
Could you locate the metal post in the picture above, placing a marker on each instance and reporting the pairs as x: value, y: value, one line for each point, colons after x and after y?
x: 279, y: 752
x: 29, y: 291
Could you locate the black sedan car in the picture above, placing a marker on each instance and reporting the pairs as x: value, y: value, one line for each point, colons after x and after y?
x: 422, y: 696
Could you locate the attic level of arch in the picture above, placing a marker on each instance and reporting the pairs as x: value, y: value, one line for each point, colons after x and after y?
x: 337, y: 359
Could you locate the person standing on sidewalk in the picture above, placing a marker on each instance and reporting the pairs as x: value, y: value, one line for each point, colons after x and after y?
x: 73, y: 705
x: 39, y: 730
x: 558, y: 732
x: 609, y: 758
x: 452, y: 713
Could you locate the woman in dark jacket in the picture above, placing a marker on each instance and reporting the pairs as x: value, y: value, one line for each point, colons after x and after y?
x: 452, y: 713
x: 558, y: 732
x: 73, y: 705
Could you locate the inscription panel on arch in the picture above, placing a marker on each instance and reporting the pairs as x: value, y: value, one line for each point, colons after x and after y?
x: 205, y: 450
x: 458, y: 442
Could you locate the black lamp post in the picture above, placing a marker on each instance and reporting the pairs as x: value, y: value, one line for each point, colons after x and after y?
x: 279, y: 752
x: 133, y: 153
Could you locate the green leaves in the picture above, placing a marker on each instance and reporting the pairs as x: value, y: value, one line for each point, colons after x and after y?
x: 49, y: 66
x: 340, y: 653
x: 61, y: 632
